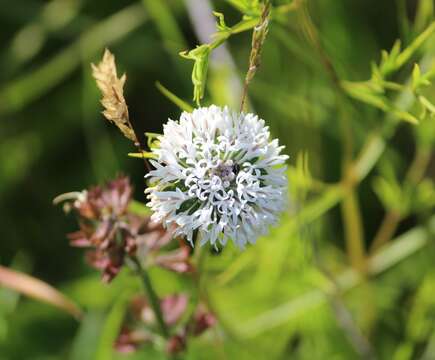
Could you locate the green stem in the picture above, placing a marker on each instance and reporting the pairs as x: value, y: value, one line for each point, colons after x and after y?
x: 152, y: 297
x: 353, y: 229
x: 351, y: 213
x: 393, y: 218
x: 199, y: 256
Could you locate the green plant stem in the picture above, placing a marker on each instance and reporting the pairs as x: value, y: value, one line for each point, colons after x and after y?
x: 386, y: 230
x: 376, y: 143
x: 199, y: 258
x: 351, y: 213
x: 353, y: 230
x: 393, y: 218
x: 152, y: 297
x: 398, y: 250
x: 419, y: 165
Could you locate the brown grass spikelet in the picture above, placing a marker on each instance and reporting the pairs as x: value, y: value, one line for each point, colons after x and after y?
x: 112, y: 89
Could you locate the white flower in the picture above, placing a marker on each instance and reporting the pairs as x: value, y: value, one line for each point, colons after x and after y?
x: 218, y: 173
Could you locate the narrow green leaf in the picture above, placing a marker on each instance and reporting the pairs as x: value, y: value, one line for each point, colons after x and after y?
x: 401, y: 248
x: 416, y: 73
x: 405, y: 116
x: 427, y: 104
x: 112, y: 326
x: 139, y: 208
x: 425, y: 12
x: 406, y: 54
x: 166, y: 23
x: 86, y: 340
x: 18, y: 93
x: 183, y: 105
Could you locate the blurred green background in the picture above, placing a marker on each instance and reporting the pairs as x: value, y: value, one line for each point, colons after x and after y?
x: 272, y: 300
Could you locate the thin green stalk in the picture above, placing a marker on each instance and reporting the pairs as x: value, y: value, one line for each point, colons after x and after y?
x: 350, y: 206
x: 199, y: 257
x: 201, y: 253
x: 351, y: 213
x: 386, y: 230
x: 393, y: 218
x: 376, y: 141
x: 353, y: 229
x: 398, y: 250
x: 152, y: 297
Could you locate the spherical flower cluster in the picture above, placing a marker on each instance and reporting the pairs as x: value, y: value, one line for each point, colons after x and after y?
x: 218, y: 173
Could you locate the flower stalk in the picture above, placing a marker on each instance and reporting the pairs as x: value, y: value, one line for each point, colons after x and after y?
x: 393, y: 218
x: 152, y: 297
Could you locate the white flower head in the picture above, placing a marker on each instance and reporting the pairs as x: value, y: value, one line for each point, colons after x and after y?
x: 218, y: 173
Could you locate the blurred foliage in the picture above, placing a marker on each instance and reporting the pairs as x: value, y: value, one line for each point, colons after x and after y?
x: 356, y: 119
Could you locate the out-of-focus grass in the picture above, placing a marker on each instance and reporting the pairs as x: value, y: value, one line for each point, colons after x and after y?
x: 273, y: 300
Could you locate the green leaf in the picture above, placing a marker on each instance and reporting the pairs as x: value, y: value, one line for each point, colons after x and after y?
x: 3, y: 328
x: 112, y: 327
x: 200, y: 55
x: 416, y: 73
x: 171, y: 34
x: 183, y: 105
x: 368, y: 93
x: 418, y: 80
x: 247, y: 7
x: 138, y: 208
x: 423, y: 196
x: 404, y: 115
x: 427, y: 104
x: 389, y: 60
x: 365, y: 92
x: 425, y: 133
x: 400, y: 249
x: 85, y: 342
x: 30, y: 86
x: 299, y: 176
x: 391, y: 195
x: 406, y: 54
x: 425, y: 13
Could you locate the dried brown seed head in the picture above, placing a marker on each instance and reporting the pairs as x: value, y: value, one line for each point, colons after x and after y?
x: 112, y: 89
